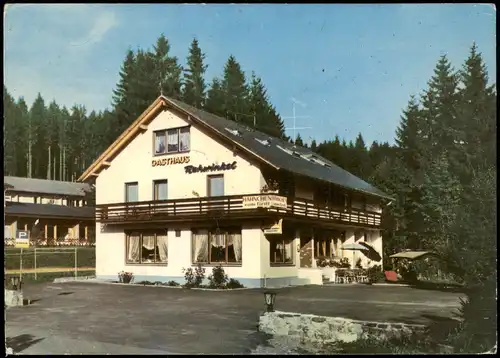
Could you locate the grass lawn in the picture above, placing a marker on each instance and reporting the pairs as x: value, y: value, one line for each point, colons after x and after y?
x: 50, y: 276
x: 49, y: 257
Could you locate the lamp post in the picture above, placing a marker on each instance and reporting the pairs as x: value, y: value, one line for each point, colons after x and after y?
x: 269, y: 297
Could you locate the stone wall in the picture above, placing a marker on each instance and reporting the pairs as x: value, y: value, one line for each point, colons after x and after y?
x: 329, y: 329
x: 13, y: 298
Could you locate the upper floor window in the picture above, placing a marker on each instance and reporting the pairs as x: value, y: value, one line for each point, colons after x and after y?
x: 160, y: 191
x: 175, y: 140
x: 131, y: 192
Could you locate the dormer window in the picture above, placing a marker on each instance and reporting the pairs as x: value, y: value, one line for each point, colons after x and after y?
x: 175, y: 140
x: 234, y: 132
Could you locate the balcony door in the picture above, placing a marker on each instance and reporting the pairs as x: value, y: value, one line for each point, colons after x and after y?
x: 131, y: 196
x: 160, y: 192
x: 215, y: 187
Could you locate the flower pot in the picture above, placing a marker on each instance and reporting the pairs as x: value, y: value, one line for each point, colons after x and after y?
x: 127, y: 279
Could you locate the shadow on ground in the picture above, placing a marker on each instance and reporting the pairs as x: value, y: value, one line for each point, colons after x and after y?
x: 27, y: 302
x: 440, y: 327
x: 21, y: 342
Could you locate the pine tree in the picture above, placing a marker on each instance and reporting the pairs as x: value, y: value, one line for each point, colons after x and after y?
x: 361, y: 158
x: 23, y: 136
x: 263, y: 115
x: 38, y: 149
x: 193, y: 91
x: 314, y: 145
x: 476, y: 142
x: 235, y: 92
x: 441, y: 192
x: 53, y: 121
x: 298, y: 140
x: 123, y: 103
x: 439, y: 125
x: 10, y: 134
x: 215, y: 98
x: 167, y: 71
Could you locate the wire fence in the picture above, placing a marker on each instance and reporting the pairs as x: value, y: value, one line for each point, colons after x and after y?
x: 42, y: 263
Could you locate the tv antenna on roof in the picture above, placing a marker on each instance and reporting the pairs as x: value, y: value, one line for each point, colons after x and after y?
x: 294, y: 117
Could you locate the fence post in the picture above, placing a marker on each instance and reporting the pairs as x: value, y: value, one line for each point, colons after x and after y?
x: 35, y: 265
x: 76, y: 262
x: 21, y: 265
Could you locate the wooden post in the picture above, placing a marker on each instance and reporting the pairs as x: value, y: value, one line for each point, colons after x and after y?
x: 55, y: 232
x: 46, y: 232
x: 35, y: 264
x: 21, y: 265
x: 86, y: 233
x: 76, y: 262
x: 25, y: 227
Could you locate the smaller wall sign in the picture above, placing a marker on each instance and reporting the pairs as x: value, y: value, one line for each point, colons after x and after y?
x: 22, y: 239
x: 170, y: 161
x: 264, y: 201
x: 210, y: 168
x: 274, y: 229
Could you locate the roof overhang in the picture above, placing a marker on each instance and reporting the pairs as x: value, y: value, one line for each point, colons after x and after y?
x: 140, y: 125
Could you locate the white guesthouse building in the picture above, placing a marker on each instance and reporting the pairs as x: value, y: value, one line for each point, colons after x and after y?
x: 182, y: 186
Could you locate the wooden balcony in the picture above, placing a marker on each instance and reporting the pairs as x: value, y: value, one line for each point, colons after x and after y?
x: 232, y: 207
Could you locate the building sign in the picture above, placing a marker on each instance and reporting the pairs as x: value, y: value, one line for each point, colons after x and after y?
x: 170, y: 161
x: 275, y: 229
x: 22, y: 239
x: 210, y: 168
x: 264, y: 201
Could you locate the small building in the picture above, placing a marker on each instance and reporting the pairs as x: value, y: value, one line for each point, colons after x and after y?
x: 182, y: 187
x: 54, y: 212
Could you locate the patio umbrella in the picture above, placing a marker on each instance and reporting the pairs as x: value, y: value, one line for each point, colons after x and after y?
x: 353, y: 247
x: 371, y: 253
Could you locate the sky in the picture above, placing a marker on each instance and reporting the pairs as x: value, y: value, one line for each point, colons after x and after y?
x: 349, y: 69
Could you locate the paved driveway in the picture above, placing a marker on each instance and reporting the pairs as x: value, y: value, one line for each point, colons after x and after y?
x: 99, y: 318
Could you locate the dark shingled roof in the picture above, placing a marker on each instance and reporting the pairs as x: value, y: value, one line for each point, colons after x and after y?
x: 43, y: 186
x: 280, y: 153
x: 48, y: 210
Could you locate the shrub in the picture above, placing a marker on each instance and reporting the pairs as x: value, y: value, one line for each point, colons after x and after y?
x: 194, y: 278
x: 125, y: 277
x: 375, y: 274
x: 145, y: 283
x: 218, y: 278
x: 234, y: 284
x: 171, y: 284
x: 344, y: 262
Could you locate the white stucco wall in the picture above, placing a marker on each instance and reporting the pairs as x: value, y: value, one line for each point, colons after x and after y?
x: 179, y: 256
x: 133, y: 164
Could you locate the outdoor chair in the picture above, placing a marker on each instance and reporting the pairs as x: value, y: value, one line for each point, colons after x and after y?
x: 341, y: 277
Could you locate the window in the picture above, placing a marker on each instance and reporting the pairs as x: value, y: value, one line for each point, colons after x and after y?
x: 131, y: 192
x: 323, y: 247
x: 217, y: 246
x: 175, y: 140
x: 160, y: 191
x: 147, y: 247
x: 281, y: 251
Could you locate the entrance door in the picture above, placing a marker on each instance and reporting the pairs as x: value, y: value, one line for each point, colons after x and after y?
x: 306, y: 251
x: 215, y: 187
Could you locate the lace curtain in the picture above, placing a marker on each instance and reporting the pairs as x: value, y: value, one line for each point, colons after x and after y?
x: 173, y: 140
x: 235, y: 240
x: 184, y: 138
x: 200, y: 246
x: 160, y: 143
x: 162, y: 245
x: 288, y: 246
x: 134, y: 248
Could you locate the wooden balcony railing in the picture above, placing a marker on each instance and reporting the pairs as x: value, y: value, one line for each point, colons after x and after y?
x: 230, y: 206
